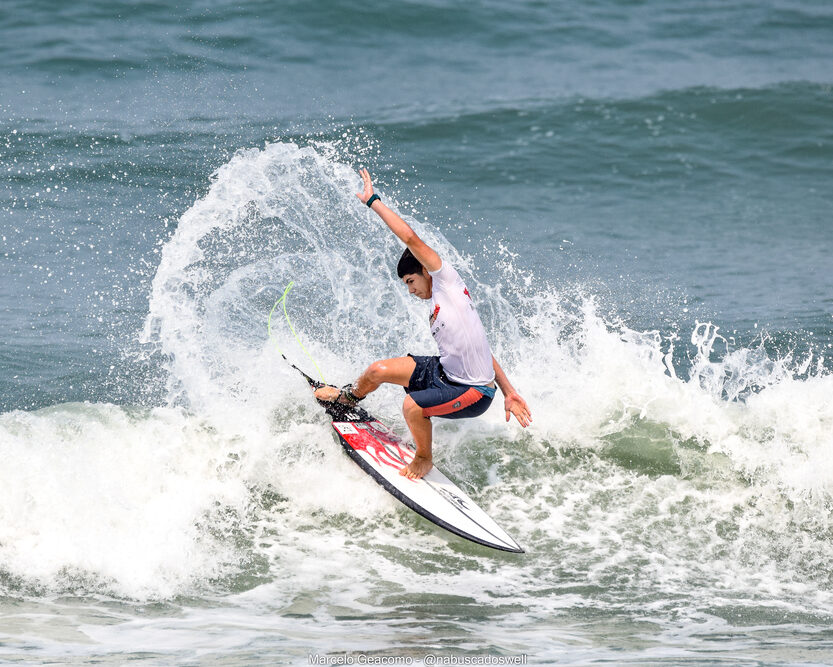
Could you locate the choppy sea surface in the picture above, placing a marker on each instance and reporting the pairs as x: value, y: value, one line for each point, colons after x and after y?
x: 639, y: 197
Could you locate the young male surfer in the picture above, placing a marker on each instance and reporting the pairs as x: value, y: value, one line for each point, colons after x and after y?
x: 458, y: 383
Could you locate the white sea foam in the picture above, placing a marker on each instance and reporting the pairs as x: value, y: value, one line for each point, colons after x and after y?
x: 635, y: 474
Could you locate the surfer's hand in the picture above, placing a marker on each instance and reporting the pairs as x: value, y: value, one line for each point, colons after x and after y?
x: 368, y: 186
x: 517, y: 406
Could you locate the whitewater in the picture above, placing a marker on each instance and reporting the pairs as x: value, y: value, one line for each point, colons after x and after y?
x: 651, y: 499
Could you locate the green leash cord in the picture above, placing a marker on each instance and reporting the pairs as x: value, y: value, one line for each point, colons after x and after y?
x: 282, y: 300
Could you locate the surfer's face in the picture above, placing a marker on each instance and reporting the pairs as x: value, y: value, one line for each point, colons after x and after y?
x: 418, y: 284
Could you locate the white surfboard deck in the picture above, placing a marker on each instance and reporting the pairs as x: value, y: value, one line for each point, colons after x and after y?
x: 381, y: 454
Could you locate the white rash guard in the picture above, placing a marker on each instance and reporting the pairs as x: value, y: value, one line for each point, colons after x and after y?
x: 464, y: 351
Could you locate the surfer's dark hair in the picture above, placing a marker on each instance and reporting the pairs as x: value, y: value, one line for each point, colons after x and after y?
x: 408, y: 264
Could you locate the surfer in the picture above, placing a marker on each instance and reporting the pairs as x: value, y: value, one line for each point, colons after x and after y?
x: 460, y: 381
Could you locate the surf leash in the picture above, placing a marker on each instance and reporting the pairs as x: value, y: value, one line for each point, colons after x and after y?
x: 282, y: 301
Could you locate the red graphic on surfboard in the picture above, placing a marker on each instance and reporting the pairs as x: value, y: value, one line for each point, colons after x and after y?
x: 373, y: 439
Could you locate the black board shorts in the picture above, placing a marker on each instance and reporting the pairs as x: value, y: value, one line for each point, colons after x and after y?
x: 440, y: 397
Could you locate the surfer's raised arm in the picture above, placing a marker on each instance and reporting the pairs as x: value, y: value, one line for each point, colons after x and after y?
x: 423, y: 252
x: 459, y: 382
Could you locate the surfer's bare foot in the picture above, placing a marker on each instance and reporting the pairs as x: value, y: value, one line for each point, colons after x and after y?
x: 344, y: 395
x: 327, y: 393
x: 417, y: 468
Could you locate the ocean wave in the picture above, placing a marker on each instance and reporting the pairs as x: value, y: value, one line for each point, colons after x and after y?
x: 634, y: 467
x: 675, y: 134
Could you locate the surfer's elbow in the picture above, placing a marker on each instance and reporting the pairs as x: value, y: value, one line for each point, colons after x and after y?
x: 411, y: 239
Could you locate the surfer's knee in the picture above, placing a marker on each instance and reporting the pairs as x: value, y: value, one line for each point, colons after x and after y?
x: 377, y: 372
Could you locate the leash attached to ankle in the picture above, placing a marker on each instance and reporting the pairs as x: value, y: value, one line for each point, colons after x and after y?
x: 347, y: 396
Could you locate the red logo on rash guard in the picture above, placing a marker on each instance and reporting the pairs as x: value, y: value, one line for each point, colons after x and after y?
x: 466, y: 292
x: 433, y: 317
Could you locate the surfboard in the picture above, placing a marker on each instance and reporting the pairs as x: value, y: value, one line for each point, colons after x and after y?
x: 381, y: 454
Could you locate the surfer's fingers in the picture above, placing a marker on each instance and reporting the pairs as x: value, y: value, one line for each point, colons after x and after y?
x: 522, y: 415
x: 523, y: 409
x: 368, y: 185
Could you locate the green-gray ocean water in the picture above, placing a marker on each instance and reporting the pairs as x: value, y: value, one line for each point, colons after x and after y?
x: 638, y: 195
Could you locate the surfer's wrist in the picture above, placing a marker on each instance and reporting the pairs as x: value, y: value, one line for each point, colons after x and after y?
x: 372, y: 199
